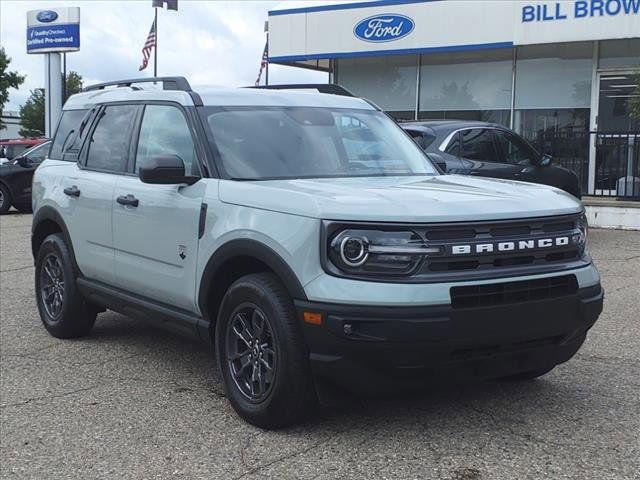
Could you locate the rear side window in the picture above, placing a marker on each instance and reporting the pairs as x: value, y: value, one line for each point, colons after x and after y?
x: 477, y: 144
x: 109, y: 144
x: 69, y: 122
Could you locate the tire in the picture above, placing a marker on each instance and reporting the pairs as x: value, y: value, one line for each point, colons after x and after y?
x: 5, y: 199
x: 284, y: 395
x: 530, y: 375
x: 63, y: 311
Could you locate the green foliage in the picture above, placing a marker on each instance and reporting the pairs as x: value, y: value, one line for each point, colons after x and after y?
x: 7, y: 80
x: 73, y: 84
x: 32, y: 114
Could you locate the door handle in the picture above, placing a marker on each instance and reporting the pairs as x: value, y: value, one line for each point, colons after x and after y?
x: 72, y: 191
x: 128, y: 200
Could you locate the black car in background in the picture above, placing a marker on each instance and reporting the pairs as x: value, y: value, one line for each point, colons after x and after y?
x: 16, y: 176
x: 488, y: 150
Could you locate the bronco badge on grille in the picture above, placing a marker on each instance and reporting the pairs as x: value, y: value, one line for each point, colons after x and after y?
x: 516, y: 246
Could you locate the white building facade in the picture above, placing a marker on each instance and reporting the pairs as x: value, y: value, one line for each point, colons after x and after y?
x: 564, y: 74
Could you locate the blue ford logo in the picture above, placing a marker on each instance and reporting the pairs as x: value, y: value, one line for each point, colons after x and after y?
x: 46, y: 16
x: 384, y: 28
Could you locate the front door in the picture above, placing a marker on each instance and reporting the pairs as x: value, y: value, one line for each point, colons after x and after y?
x: 483, y: 157
x: 155, y: 227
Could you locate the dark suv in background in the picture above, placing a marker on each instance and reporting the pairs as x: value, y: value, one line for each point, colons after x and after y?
x: 488, y: 150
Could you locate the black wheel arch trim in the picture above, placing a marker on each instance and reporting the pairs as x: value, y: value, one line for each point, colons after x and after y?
x: 50, y: 213
x: 247, y: 248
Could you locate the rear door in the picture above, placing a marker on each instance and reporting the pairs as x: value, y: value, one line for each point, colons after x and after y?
x: 89, y: 187
x: 156, y: 234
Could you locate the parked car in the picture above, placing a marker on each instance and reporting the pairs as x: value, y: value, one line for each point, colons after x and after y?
x: 489, y: 150
x: 16, y: 176
x: 308, y: 238
x: 14, y: 148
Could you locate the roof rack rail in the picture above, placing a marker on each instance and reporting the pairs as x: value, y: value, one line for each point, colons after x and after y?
x: 168, y: 83
x: 330, y: 88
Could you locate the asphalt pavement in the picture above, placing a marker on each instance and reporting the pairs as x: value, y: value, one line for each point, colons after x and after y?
x: 134, y: 402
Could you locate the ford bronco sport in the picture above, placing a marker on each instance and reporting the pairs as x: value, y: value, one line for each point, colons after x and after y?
x: 308, y: 239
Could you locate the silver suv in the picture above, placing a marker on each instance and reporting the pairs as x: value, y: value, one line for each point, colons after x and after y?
x: 308, y: 239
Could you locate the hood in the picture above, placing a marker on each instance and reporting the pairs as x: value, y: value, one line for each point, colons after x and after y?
x: 402, y: 199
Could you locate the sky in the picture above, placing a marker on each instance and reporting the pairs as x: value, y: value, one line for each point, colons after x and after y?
x: 208, y: 42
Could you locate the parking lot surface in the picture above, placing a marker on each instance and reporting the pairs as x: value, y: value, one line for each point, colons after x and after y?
x: 132, y: 401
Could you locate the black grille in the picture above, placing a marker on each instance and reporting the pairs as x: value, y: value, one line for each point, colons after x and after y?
x: 513, y: 292
x: 506, y: 231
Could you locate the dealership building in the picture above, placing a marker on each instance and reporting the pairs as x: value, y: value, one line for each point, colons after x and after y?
x: 564, y: 74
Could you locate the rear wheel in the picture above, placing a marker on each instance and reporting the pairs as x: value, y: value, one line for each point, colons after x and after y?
x: 63, y: 311
x: 5, y: 199
x: 261, y: 353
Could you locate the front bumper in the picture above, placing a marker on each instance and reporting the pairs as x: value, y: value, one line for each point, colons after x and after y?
x: 368, y: 348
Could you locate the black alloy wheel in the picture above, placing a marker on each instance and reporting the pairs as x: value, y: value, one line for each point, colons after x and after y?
x: 52, y: 286
x: 251, y: 352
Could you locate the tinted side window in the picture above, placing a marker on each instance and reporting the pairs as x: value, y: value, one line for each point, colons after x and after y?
x: 69, y: 121
x: 164, y: 131
x: 514, y: 150
x: 109, y: 143
x: 477, y: 144
x: 454, y: 145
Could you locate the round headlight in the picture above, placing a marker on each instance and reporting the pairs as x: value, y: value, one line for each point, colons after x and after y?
x: 354, y: 250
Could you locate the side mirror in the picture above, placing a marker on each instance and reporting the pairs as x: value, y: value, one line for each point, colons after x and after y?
x: 24, y: 162
x: 546, y: 160
x: 165, y: 170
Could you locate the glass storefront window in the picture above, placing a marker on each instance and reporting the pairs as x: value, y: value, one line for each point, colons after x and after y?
x: 467, y: 85
x: 554, y: 76
x: 388, y: 81
x: 553, y: 100
x: 620, y: 54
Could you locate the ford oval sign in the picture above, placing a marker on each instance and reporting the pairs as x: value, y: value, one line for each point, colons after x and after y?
x: 384, y: 28
x: 47, y: 16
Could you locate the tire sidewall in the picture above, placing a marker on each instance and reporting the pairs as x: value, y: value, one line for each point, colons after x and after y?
x: 65, y: 325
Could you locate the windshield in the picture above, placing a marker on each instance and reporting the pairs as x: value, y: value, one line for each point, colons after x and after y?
x: 263, y: 143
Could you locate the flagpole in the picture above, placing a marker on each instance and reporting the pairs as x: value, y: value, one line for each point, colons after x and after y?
x: 266, y: 31
x: 155, y: 50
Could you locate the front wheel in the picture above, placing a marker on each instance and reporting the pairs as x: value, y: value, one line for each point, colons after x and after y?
x: 261, y: 353
x: 5, y: 199
x: 64, y: 313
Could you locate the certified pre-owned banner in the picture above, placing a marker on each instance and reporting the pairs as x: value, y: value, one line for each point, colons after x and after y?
x: 53, y: 38
x: 53, y: 30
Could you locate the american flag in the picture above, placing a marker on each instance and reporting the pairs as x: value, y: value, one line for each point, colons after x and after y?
x: 148, y: 46
x: 264, y: 62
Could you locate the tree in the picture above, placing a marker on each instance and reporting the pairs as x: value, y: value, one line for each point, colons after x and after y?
x: 32, y: 114
x: 7, y: 80
x: 73, y: 83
